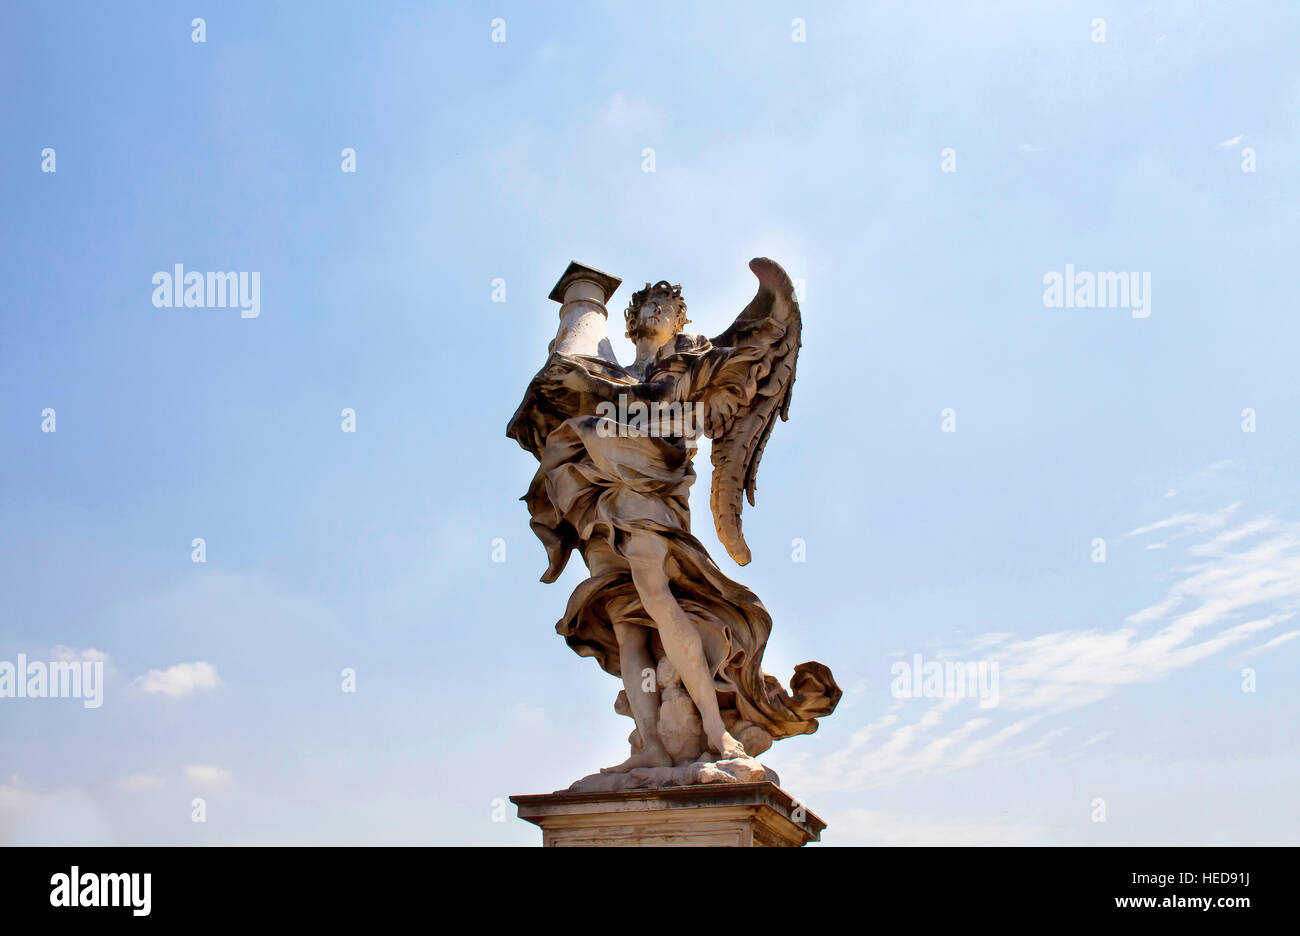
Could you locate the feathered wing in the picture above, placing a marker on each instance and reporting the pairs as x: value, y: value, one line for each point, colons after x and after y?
x: 740, y: 411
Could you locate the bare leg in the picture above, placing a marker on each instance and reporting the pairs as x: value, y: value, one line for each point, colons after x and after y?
x: 646, y: 554
x: 634, y: 659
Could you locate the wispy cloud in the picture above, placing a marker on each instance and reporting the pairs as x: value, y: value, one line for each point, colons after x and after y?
x: 180, y: 680
x: 66, y: 654
x: 1241, y: 581
x: 63, y: 816
x: 1188, y: 522
x: 1278, y: 641
x: 144, y: 782
x: 881, y: 828
x: 208, y: 776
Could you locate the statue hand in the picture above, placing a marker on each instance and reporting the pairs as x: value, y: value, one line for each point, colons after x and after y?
x: 557, y: 368
x: 572, y: 375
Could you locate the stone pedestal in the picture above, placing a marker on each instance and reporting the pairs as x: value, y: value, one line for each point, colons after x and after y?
x: 726, y: 814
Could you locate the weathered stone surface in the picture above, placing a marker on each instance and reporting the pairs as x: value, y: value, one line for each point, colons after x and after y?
x: 743, y: 769
x: 582, y: 292
x: 615, y: 470
x: 735, y: 814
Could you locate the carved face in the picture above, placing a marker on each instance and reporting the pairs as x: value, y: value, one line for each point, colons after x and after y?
x: 657, y: 319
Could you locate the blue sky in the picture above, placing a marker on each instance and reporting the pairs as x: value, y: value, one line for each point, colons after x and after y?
x: 1120, y: 681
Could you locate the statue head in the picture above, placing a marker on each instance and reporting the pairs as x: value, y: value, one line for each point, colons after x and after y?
x: 657, y: 312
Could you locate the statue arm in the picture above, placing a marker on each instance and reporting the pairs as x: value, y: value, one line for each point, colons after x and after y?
x: 578, y: 376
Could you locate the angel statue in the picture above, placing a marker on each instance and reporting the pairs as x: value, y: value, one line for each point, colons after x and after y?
x: 615, y: 447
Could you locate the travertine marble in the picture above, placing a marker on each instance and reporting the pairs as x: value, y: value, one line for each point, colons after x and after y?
x: 735, y: 815
x: 615, y: 448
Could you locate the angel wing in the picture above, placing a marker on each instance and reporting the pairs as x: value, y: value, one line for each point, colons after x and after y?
x: 767, y: 334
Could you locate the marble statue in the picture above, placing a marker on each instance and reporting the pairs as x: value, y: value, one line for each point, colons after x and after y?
x: 615, y: 447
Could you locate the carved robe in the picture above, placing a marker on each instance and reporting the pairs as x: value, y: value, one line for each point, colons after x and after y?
x: 600, y: 480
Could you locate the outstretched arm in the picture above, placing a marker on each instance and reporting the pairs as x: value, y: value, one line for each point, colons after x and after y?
x: 573, y: 375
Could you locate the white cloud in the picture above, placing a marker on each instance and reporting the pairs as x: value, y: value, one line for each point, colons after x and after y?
x: 1097, y: 738
x: 868, y: 827
x: 1242, y: 581
x: 208, y: 776
x: 624, y: 114
x: 66, y: 816
x: 1189, y: 522
x: 1278, y: 641
x: 143, y: 782
x: 64, y: 654
x: 180, y: 680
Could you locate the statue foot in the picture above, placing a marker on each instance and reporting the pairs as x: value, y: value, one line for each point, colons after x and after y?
x: 727, y: 747
x: 650, y: 757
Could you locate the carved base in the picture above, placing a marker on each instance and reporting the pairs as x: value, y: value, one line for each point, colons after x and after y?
x: 711, y: 814
x: 735, y: 770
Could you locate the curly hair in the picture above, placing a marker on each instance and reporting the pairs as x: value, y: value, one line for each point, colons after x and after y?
x: 660, y: 290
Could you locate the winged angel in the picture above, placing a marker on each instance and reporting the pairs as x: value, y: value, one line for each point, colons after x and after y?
x: 657, y: 611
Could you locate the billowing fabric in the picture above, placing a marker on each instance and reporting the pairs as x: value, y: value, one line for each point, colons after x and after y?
x: 598, y: 482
